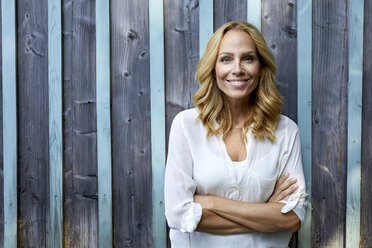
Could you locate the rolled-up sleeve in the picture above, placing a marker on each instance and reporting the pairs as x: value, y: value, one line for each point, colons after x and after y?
x: 179, y: 187
x: 292, y: 164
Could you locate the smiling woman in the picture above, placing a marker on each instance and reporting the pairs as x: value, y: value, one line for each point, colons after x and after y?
x: 227, y: 181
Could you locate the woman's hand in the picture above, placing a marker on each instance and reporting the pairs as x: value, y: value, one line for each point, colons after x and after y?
x: 284, y: 187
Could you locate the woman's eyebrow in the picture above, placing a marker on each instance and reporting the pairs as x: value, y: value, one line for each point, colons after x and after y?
x: 244, y: 54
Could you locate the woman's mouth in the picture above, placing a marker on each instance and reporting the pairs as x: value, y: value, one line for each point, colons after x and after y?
x: 238, y: 82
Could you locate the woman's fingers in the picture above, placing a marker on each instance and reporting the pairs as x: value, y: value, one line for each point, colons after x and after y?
x: 284, y: 187
x: 284, y: 195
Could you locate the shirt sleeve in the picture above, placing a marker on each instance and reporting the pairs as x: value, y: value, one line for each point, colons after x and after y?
x: 179, y: 187
x: 292, y: 164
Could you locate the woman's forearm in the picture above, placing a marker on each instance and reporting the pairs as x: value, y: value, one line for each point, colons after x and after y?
x: 215, y: 224
x: 263, y: 217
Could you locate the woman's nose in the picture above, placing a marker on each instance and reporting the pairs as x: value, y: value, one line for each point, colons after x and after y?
x: 237, y: 68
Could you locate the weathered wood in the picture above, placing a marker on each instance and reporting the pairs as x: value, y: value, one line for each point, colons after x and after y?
x: 131, y: 151
x: 55, y: 225
x: 304, y: 66
x: 366, y: 167
x: 1, y: 142
x: 279, y: 27
x: 157, y: 80
x: 181, y: 55
x: 354, y: 128
x: 330, y: 77
x: 80, y: 140
x: 226, y: 11
x: 103, y: 94
x: 33, y: 159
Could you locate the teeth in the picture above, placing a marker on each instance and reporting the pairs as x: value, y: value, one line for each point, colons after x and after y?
x: 237, y: 83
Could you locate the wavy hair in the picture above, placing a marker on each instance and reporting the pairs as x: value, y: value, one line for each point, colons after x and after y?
x: 265, y: 100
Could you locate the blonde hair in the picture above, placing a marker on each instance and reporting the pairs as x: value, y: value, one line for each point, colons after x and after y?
x: 265, y: 100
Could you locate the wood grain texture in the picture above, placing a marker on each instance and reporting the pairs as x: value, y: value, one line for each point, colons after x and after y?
x: 181, y: 56
x: 279, y: 27
x: 131, y: 151
x: 366, y: 167
x: 226, y: 11
x: 329, y: 150
x: 1, y: 142
x: 33, y: 159
x: 79, y: 117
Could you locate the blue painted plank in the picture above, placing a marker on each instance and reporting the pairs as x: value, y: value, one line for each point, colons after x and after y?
x: 304, y: 66
x: 157, y: 121
x: 254, y: 13
x: 55, y: 122
x: 205, y: 24
x: 103, y: 123
x: 8, y: 36
x: 356, y: 9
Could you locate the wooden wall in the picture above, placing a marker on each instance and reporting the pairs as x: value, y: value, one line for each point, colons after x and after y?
x: 131, y: 118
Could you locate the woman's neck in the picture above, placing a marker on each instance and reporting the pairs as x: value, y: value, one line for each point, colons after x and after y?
x: 239, y: 112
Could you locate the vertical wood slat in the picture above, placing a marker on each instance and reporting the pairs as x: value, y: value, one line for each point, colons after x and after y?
x: 79, y: 124
x: 157, y: 121
x: 1, y: 144
x: 354, y: 123
x: 33, y: 120
x: 329, y: 106
x: 304, y: 67
x: 181, y: 20
x: 55, y: 121
x: 131, y: 124
x: 366, y: 167
x: 254, y: 13
x: 279, y: 27
x: 205, y: 24
x: 9, y: 103
x: 103, y: 123
x: 226, y: 11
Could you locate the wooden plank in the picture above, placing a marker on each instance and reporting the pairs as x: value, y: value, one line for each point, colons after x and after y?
x: 254, y: 13
x: 304, y: 60
x: 182, y: 41
x: 104, y: 124
x: 330, y: 78
x: 33, y: 136
x: 55, y: 122
x: 205, y: 23
x: 279, y: 27
x: 157, y: 121
x: 8, y: 125
x: 80, y: 125
x: 131, y: 124
x: 1, y: 143
x: 354, y: 123
x: 366, y: 166
x: 227, y: 11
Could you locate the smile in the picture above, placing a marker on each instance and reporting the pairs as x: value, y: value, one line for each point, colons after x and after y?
x: 238, y: 83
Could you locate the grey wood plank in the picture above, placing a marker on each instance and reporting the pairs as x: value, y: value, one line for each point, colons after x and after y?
x: 227, y: 11
x: 131, y: 155
x: 1, y: 144
x: 181, y: 55
x: 79, y: 122
x: 366, y: 166
x: 329, y: 141
x: 279, y: 27
x: 33, y: 135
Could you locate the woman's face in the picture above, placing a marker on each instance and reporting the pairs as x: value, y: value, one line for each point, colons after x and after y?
x: 237, y: 66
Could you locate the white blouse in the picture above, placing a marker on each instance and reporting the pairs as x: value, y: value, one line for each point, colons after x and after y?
x: 200, y: 165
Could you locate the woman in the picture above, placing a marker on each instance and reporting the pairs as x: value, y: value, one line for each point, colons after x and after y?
x: 229, y: 159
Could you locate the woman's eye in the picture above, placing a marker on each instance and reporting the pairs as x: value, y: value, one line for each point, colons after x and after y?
x: 249, y: 59
x: 225, y: 60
